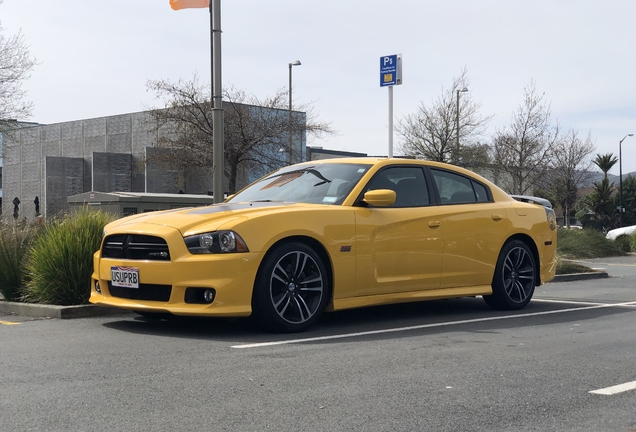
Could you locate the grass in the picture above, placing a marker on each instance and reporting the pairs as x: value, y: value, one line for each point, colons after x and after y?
x: 569, y: 267
x: 583, y: 244
x: 60, y: 263
x: 15, y: 242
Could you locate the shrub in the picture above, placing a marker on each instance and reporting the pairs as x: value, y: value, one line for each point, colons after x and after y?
x: 585, y: 243
x: 60, y: 262
x: 632, y: 242
x: 622, y: 242
x: 15, y: 242
x: 568, y: 267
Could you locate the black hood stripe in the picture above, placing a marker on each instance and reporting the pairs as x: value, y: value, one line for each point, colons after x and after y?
x: 228, y: 207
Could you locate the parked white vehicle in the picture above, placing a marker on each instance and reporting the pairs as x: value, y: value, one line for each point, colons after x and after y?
x: 616, y: 233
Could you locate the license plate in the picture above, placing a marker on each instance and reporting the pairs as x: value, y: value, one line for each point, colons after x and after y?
x: 127, y: 277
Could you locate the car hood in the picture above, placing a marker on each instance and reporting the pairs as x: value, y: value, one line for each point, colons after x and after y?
x: 198, y: 219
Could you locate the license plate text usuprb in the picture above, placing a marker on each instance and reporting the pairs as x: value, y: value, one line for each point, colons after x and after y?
x: 125, y: 277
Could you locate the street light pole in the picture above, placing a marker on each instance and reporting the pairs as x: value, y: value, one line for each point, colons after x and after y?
x: 457, y: 125
x: 218, y: 152
x: 620, y: 180
x: 289, y: 137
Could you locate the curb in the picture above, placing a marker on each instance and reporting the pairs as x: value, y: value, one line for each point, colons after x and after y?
x: 580, y: 276
x: 54, y: 311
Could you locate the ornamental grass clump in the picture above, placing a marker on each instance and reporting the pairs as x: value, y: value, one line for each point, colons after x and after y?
x: 623, y: 243
x: 15, y: 242
x: 585, y: 243
x: 567, y: 267
x: 60, y: 263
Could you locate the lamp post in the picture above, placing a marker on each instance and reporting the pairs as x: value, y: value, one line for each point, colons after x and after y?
x: 457, y: 125
x: 620, y: 180
x: 289, y: 138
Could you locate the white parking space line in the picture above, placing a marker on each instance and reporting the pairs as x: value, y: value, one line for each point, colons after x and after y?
x: 426, y: 326
x: 582, y: 303
x: 620, y: 388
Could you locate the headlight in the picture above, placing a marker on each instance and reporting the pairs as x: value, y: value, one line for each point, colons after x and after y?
x: 215, y: 242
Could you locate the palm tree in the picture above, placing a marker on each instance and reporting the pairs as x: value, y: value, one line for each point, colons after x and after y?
x: 605, y: 162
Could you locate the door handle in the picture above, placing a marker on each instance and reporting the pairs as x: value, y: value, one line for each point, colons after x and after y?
x: 434, y: 224
x: 496, y: 217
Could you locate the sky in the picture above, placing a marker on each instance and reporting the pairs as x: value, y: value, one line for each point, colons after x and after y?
x: 95, y: 58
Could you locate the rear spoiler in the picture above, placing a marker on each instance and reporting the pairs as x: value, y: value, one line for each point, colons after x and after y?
x: 533, y: 200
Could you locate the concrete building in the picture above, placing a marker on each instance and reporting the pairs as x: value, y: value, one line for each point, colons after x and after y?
x: 8, y: 126
x: 319, y: 153
x: 44, y: 164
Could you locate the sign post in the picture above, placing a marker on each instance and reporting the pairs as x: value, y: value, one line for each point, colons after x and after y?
x: 391, y: 75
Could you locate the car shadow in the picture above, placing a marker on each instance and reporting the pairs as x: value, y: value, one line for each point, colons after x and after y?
x: 185, y: 327
x: 438, y: 316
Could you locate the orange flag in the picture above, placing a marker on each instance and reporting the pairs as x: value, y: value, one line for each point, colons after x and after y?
x: 188, y: 4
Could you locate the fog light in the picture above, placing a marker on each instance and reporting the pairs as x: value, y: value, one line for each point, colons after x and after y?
x: 97, y: 287
x: 208, y: 296
x: 199, y: 295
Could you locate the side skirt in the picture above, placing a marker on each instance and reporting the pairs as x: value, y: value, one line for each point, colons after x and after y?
x: 414, y: 296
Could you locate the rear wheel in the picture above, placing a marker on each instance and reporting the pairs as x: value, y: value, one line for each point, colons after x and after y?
x: 515, y: 277
x: 292, y: 288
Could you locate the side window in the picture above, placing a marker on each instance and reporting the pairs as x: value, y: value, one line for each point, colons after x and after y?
x: 457, y: 189
x: 408, y: 183
x: 481, y: 192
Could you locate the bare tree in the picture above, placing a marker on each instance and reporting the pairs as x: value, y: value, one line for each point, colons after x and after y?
x: 522, y: 152
x: 431, y: 132
x: 256, y: 130
x: 15, y: 65
x: 571, y: 168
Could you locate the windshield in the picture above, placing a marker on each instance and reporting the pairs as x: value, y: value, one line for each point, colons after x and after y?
x: 320, y: 184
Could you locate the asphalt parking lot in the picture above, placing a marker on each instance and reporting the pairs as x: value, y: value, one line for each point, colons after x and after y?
x: 566, y: 362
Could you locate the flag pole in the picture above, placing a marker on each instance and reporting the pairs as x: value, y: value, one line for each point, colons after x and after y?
x: 217, y: 101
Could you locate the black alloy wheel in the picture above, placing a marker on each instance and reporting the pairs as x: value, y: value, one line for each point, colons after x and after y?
x: 515, y: 277
x: 292, y: 288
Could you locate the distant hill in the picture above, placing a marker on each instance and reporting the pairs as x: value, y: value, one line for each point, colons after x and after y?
x: 598, y: 176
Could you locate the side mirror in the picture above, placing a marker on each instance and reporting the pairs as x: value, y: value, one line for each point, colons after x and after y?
x: 380, y: 197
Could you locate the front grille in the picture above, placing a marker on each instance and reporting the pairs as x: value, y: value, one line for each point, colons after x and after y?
x: 152, y: 292
x: 135, y: 247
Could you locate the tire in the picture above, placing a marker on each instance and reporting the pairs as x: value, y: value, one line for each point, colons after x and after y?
x: 515, y: 277
x: 292, y: 289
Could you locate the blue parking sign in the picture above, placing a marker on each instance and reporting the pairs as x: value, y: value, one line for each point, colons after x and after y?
x: 389, y: 71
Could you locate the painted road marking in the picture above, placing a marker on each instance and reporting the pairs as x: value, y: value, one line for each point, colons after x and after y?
x: 583, y: 303
x: 605, y: 264
x: 427, y: 326
x: 620, y: 388
x: 9, y: 323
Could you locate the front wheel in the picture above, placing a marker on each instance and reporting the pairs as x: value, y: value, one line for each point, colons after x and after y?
x: 292, y: 288
x: 515, y: 277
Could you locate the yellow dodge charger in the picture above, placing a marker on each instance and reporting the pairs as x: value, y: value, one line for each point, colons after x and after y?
x: 330, y: 235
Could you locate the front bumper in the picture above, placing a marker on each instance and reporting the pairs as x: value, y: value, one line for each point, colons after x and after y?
x: 163, y: 284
